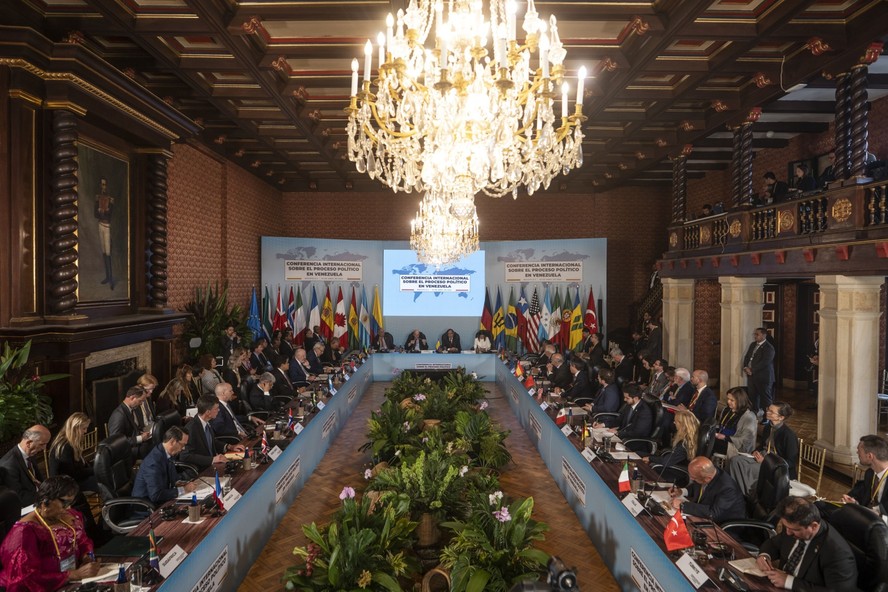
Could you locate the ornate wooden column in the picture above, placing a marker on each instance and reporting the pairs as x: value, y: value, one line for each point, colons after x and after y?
x: 61, y: 272
x: 736, y: 158
x: 842, y: 124
x: 745, y: 195
x: 157, y: 229
x: 680, y: 185
x: 859, y: 123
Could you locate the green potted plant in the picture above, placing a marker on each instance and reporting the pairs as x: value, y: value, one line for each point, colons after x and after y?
x: 477, y: 434
x: 210, y: 316
x: 361, y: 549
x: 492, y: 550
x: 390, y: 432
x: 22, y: 402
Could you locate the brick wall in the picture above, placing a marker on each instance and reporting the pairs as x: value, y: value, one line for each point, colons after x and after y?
x: 707, y: 328
x: 631, y: 218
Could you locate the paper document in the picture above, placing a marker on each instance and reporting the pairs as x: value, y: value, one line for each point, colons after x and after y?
x: 748, y: 566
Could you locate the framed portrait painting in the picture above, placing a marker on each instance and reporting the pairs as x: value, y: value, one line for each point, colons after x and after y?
x: 103, y: 221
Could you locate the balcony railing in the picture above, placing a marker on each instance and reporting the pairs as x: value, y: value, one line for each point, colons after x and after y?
x: 842, y: 214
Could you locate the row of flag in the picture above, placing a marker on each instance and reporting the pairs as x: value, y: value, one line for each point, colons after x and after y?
x: 561, y: 321
x: 356, y: 327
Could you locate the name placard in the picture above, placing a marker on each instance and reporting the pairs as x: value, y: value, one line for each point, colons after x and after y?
x: 692, y: 570
x: 171, y: 561
x: 212, y: 578
x: 567, y: 430
x: 588, y: 454
x: 544, y: 405
x: 321, y: 406
x: 297, y: 428
x: 230, y: 498
x: 286, y: 480
x: 632, y: 504
x: 275, y: 452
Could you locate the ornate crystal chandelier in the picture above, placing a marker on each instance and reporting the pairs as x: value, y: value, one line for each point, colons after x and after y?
x: 453, y: 111
x: 445, y: 228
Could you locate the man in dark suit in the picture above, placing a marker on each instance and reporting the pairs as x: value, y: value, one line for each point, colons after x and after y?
x: 450, y: 342
x: 384, y: 342
x: 872, y: 490
x: 812, y: 556
x: 659, y: 381
x: 227, y: 422
x: 703, y: 402
x: 261, y: 397
x: 258, y: 359
x: 315, y: 365
x: 282, y: 385
x: 622, y: 368
x: 157, y: 478
x: 711, y: 494
x: 580, y: 388
x: 558, y: 373
x: 299, y: 372
x: 202, y: 450
x: 680, y: 397
x: 123, y: 421
x: 636, y: 417
x: 758, y: 365
x: 416, y: 341
x: 608, y: 398
x: 18, y: 467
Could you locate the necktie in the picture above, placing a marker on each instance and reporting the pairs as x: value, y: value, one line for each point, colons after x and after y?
x: 694, y: 400
x: 31, y: 473
x: 209, y: 438
x: 795, y: 558
x: 237, y: 424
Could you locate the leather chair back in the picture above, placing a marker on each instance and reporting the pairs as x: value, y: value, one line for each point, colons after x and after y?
x: 771, y: 488
x: 867, y: 536
x: 706, y: 438
x: 10, y: 510
x: 163, y: 422
x: 657, y: 410
x: 113, y: 467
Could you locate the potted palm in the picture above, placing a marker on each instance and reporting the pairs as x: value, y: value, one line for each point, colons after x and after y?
x: 22, y: 402
x: 361, y: 549
x: 477, y: 434
x: 492, y: 550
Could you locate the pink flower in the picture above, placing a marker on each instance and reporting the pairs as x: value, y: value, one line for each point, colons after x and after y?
x: 483, y: 405
x: 347, y: 493
x: 502, y: 515
x: 368, y: 474
x: 419, y: 397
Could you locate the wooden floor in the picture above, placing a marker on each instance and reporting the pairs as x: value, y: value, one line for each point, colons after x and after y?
x: 343, y: 465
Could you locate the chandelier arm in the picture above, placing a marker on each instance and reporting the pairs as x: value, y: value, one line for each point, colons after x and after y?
x: 383, y: 126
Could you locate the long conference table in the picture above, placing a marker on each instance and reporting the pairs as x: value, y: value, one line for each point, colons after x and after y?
x: 221, y: 550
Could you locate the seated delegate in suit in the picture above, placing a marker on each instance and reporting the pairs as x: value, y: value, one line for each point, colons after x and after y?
x: 123, y: 421
x: 808, y: 555
x: 299, y: 372
x: 261, y: 396
x: 682, y: 395
x: 712, y: 494
x: 258, y: 359
x: 623, y: 369
x: 737, y: 424
x: 608, y: 398
x: 482, y: 342
x: 202, y: 450
x: 684, y: 443
x: 333, y: 352
x: 636, y: 418
x: 450, y: 342
x: 282, y: 385
x: 18, y: 467
x: 228, y: 422
x: 416, y: 341
x: 66, y: 456
x: 48, y: 547
x: 383, y: 341
x: 315, y: 365
x: 179, y: 393
x: 579, y: 388
x: 777, y: 437
x: 703, y: 402
x: 157, y: 479
x: 558, y: 373
x: 872, y: 490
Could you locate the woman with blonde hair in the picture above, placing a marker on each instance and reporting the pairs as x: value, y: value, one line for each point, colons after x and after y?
x: 684, y: 443
x: 66, y: 452
x: 180, y: 393
x: 234, y: 372
x: 149, y: 384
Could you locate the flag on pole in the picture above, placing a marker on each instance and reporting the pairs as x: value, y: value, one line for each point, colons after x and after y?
x: 279, y: 321
x: 576, y: 323
x: 511, y: 322
x: 264, y: 443
x: 566, y: 319
x: 299, y: 319
x: 364, y: 329
x: 291, y: 421
x: 267, y: 314
x: 519, y: 371
x: 676, y: 535
x: 521, y: 310
x: 499, y: 323
x: 624, y: 478
x: 217, y: 493
x: 532, y: 342
x: 339, y: 319
x: 314, y: 314
x: 327, y: 318
x: 376, y: 324
x: 529, y: 382
x: 153, y: 555
x: 354, y: 341
x: 590, y: 319
x: 555, y: 318
x: 487, y: 314
x: 254, y: 322
x: 291, y: 311
x: 545, y: 318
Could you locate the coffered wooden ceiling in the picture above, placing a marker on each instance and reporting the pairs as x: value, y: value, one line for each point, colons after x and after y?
x: 267, y: 80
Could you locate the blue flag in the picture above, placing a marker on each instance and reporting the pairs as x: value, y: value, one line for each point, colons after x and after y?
x: 254, y: 322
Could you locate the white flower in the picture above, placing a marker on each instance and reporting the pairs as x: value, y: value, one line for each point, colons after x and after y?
x: 483, y: 405
x: 474, y: 375
x: 397, y: 453
x: 463, y: 470
x: 495, y: 497
x: 368, y: 474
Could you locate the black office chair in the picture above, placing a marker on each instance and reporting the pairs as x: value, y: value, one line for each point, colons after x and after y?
x: 867, y: 536
x: 672, y: 474
x: 113, y: 468
x: 770, y: 489
x: 162, y: 423
x: 706, y: 438
x: 649, y: 445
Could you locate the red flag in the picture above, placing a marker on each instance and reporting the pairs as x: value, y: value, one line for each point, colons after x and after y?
x: 624, y: 479
x: 519, y: 371
x: 676, y: 535
x: 327, y: 318
x: 486, y: 314
x: 280, y: 316
x: 529, y: 382
x: 590, y: 319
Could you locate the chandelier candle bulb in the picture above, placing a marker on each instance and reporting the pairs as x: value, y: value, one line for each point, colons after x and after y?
x: 544, y: 54
x: 581, y: 80
x: 511, y: 19
x: 368, y: 58
x: 380, y: 41
x: 354, y: 87
x: 389, y: 30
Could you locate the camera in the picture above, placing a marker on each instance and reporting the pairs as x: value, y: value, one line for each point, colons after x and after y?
x: 560, y: 578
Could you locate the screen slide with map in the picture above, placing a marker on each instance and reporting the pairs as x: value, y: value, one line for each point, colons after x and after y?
x: 413, y: 289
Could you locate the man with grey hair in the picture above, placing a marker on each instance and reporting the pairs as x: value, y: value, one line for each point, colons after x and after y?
x: 680, y: 398
x: 261, y: 398
x: 558, y: 373
x: 18, y: 467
